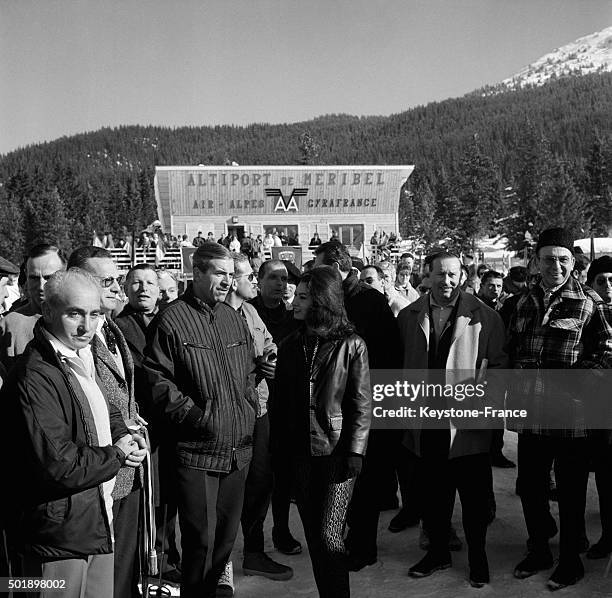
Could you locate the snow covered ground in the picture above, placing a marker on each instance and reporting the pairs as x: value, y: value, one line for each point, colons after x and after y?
x: 589, y: 54
x: 397, y: 552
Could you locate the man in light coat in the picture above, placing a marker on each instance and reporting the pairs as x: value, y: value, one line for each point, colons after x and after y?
x: 454, y: 333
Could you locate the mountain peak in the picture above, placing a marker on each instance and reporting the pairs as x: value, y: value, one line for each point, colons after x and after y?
x: 589, y: 54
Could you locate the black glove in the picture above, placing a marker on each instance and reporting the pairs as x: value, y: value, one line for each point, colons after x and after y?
x: 354, y: 463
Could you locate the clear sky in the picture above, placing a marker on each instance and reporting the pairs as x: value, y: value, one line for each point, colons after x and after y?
x: 68, y: 66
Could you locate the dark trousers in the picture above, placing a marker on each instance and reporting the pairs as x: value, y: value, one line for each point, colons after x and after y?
x: 258, y: 489
x: 197, y: 490
x: 281, y: 492
x: 166, y: 510
x: 408, y: 468
x: 371, y: 491
x: 125, y: 524
x: 442, y: 478
x: 497, y: 441
x: 535, y: 457
x: 602, y: 460
x: 165, y: 537
x: 323, y: 496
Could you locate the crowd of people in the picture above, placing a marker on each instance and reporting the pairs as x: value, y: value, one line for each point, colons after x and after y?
x: 252, y: 388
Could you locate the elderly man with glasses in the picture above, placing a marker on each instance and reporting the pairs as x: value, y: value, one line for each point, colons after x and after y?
x: 559, y: 324
x: 199, y: 363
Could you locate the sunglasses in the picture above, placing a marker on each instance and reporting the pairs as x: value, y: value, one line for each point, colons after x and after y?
x: 250, y: 277
x: 109, y: 280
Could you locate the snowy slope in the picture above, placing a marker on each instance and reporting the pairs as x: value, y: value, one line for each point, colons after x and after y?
x: 589, y: 54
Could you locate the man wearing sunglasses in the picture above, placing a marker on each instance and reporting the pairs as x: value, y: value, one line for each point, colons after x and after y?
x: 115, y: 369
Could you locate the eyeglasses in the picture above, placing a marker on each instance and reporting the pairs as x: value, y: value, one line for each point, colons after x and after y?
x: 250, y: 277
x: 109, y: 280
x: 564, y: 260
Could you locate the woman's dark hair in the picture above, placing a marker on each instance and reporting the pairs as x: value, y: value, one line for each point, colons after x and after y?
x: 327, y: 316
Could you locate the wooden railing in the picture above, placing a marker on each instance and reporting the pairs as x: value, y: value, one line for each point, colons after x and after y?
x: 170, y: 261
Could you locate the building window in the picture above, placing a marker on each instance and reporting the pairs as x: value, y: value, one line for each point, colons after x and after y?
x: 289, y: 230
x: 350, y: 235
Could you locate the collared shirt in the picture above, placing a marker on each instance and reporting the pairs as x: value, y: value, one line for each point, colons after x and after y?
x: 548, y: 293
x: 82, y: 366
x: 117, y: 354
x: 441, y: 313
x: 409, y: 292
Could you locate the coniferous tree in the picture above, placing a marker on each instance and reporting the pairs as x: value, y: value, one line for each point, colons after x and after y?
x: 478, y: 189
x: 310, y: 150
x: 46, y: 221
x: 533, y: 184
x: 598, y: 188
x: 563, y: 205
x: 12, y: 239
x: 419, y: 222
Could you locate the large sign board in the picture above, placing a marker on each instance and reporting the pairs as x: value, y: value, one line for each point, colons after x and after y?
x: 207, y: 191
x: 289, y: 254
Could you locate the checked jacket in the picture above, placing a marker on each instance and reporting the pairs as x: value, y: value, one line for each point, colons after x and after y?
x: 574, y: 332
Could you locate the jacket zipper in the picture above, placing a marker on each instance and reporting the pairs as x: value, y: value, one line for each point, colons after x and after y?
x: 109, y: 536
x: 227, y: 373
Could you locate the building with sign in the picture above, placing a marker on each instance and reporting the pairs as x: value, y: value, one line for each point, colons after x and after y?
x: 352, y: 201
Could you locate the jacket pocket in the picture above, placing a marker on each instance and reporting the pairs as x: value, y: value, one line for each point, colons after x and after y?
x: 196, y: 345
x: 335, y: 423
x: 236, y: 344
x: 566, y: 323
x: 58, y: 509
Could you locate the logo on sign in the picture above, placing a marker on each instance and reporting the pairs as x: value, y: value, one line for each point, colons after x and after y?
x: 283, y: 204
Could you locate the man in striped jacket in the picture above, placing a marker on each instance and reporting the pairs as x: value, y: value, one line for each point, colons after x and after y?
x: 199, y: 363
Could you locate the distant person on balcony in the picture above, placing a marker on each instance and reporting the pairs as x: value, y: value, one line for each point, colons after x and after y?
x: 257, y: 246
x: 374, y: 239
x: 268, y: 242
x: 197, y: 241
x: 315, y: 240
x: 185, y: 241
x: 234, y: 244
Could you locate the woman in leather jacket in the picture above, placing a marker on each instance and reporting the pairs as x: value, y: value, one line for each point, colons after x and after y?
x: 322, y: 416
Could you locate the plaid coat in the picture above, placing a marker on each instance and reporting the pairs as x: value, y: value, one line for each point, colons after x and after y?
x: 573, y: 333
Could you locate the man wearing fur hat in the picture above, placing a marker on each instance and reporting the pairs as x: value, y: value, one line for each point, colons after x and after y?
x: 557, y: 325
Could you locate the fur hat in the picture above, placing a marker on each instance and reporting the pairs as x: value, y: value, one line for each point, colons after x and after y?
x: 601, y: 264
x: 556, y: 237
